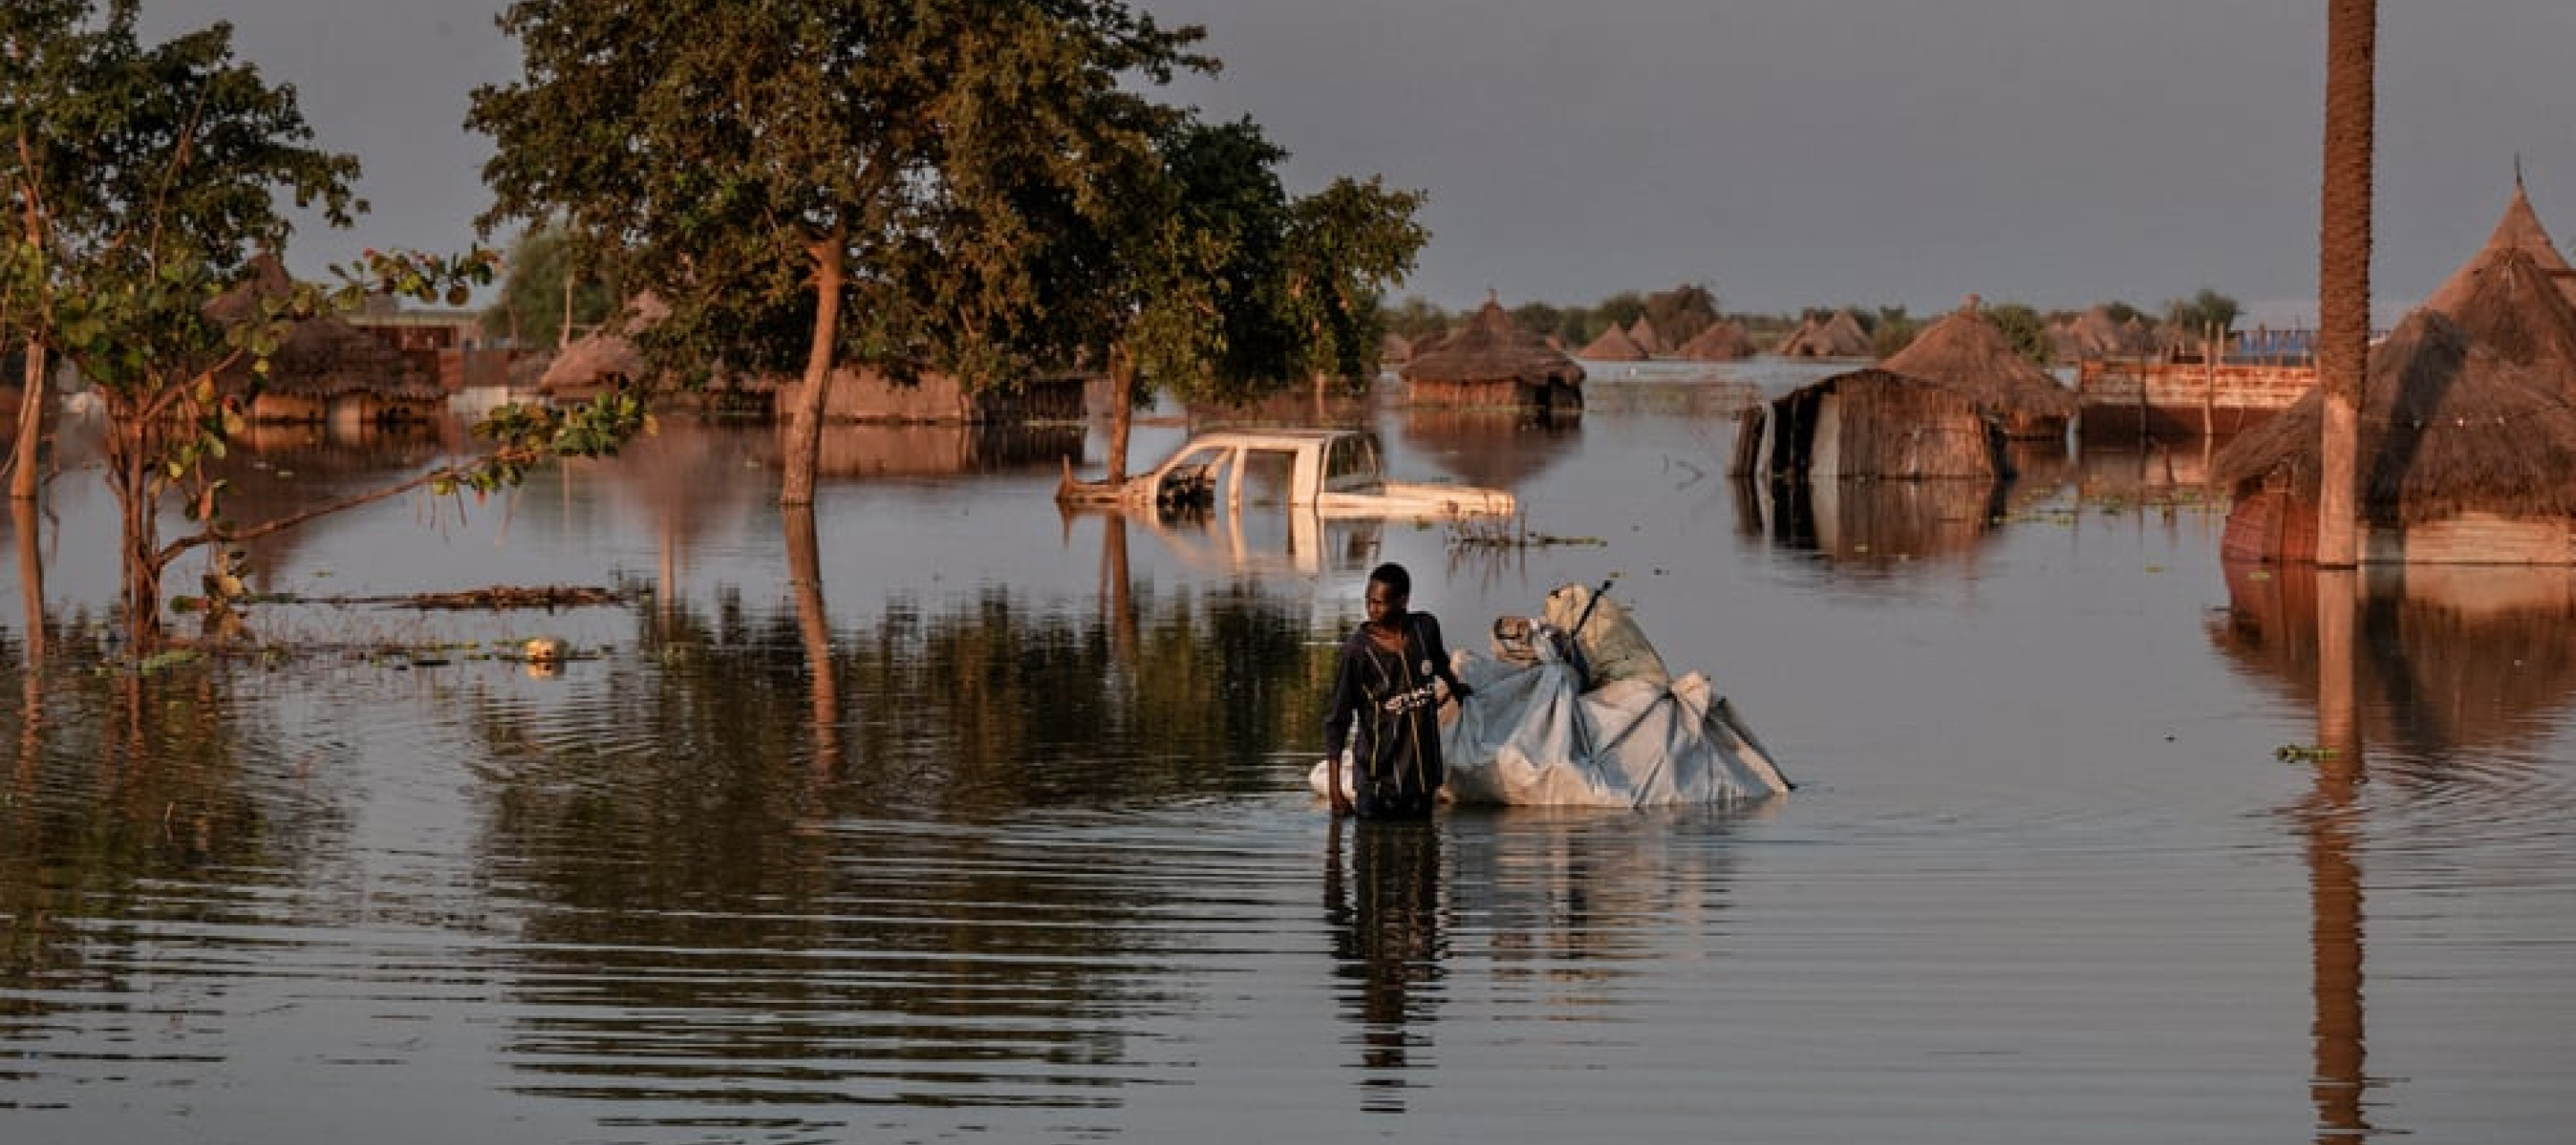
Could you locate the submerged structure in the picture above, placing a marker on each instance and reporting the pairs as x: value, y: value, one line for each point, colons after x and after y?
x: 1871, y: 424
x: 1492, y: 362
x: 1965, y: 352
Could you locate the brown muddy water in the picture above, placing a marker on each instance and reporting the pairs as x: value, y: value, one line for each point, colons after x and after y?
x: 1002, y: 834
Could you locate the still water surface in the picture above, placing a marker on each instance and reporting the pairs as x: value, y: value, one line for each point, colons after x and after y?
x: 998, y: 832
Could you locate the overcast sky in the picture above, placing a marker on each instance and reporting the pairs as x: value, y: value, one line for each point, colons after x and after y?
x: 1785, y: 153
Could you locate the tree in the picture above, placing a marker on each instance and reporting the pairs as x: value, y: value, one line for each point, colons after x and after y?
x: 2343, y: 270
x: 2022, y: 326
x: 546, y: 296
x: 1682, y: 313
x: 863, y: 169
x: 1346, y: 244
x: 146, y: 180
x: 2207, y: 310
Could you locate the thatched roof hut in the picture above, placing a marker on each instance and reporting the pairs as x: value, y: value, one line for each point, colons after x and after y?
x: 2518, y: 230
x: 1394, y: 349
x: 1647, y: 339
x: 1614, y: 345
x: 595, y: 362
x: 1967, y: 353
x: 2508, y: 300
x: 1870, y: 424
x: 1492, y: 362
x: 1839, y: 336
x: 2095, y: 334
x: 325, y: 368
x: 2465, y: 458
x: 1720, y: 342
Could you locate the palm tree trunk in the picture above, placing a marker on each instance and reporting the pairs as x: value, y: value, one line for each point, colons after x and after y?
x: 804, y: 450
x: 2343, y: 271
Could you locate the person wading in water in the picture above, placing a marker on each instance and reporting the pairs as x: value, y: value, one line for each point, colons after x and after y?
x: 1388, y: 688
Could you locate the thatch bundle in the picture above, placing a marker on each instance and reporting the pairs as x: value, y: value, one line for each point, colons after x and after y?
x: 1720, y: 342
x: 2447, y: 427
x: 1614, y: 345
x: 1967, y: 353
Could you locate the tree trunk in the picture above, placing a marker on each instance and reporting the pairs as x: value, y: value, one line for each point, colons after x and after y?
x: 31, y: 578
x: 805, y: 423
x: 814, y: 631
x: 2343, y: 271
x: 1122, y: 410
x: 31, y: 427
x: 129, y: 472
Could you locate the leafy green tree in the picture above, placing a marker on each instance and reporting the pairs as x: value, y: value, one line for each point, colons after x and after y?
x: 1415, y: 317
x: 546, y: 296
x: 1346, y: 245
x: 2203, y: 311
x: 2023, y: 327
x: 1682, y: 313
x: 878, y: 173
x: 146, y: 180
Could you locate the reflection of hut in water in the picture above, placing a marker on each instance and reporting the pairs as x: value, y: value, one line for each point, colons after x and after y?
x: 1614, y: 345
x: 1722, y: 341
x: 1965, y: 352
x: 877, y: 449
x: 1493, y: 362
x: 326, y: 370
x: 2465, y: 457
x: 1497, y: 449
x: 1873, y: 523
x: 867, y: 394
x: 1838, y: 336
x: 2446, y: 658
x: 1870, y: 424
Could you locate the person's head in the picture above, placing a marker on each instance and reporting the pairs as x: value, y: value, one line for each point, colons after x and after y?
x: 1389, y: 588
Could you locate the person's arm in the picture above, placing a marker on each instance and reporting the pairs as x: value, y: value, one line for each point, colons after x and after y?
x: 1338, y: 713
x: 1438, y: 652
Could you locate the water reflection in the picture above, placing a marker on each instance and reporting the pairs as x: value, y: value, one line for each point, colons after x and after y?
x: 1383, y: 906
x: 1873, y: 526
x: 1497, y: 449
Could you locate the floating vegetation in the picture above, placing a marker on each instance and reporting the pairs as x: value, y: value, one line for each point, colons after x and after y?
x: 1509, y: 533
x: 495, y: 597
x: 2302, y: 753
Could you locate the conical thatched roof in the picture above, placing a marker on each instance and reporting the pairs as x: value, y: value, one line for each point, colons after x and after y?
x: 1614, y: 345
x: 1721, y: 342
x: 2520, y: 230
x: 2512, y: 306
x: 1492, y: 349
x: 1839, y: 336
x: 1643, y: 334
x: 2447, y: 426
x: 1968, y: 354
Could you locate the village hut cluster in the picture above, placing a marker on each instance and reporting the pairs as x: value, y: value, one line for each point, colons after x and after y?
x: 2467, y: 442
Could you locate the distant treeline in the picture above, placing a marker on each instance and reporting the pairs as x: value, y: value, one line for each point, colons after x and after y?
x: 1680, y: 314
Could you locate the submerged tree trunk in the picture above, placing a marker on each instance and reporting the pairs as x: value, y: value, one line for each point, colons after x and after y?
x: 130, y: 438
x: 814, y: 630
x: 2343, y: 271
x: 1122, y: 411
x: 31, y: 577
x: 31, y: 427
x: 804, y: 450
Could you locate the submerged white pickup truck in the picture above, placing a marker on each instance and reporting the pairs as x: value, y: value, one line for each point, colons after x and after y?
x: 1337, y: 473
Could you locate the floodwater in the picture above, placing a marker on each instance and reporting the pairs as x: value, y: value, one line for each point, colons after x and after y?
x: 995, y: 828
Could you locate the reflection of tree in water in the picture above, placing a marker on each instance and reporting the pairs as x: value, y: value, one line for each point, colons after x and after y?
x: 859, y: 932
x: 1383, y: 908
x: 125, y: 791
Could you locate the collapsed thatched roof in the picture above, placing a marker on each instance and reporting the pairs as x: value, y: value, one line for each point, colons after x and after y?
x: 2518, y: 230
x: 1614, y: 345
x: 593, y: 360
x: 2447, y: 426
x: 322, y: 356
x: 1967, y: 353
x: 1491, y: 349
x: 1839, y: 336
x: 1721, y: 342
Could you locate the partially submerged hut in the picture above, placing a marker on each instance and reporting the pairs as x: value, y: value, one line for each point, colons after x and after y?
x: 1872, y: 424
x: 1839, y: 336
x: 1722, y: 341
x: 1493, y: 362
x: 1643, y: 333
x: 1967, y: 353
x: 1614, y: 345
x: 2516, y: 296
x: 326, y: 370
x: 2465, y: 458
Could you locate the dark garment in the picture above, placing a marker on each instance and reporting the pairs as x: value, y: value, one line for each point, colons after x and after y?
x: 1389, y: 698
